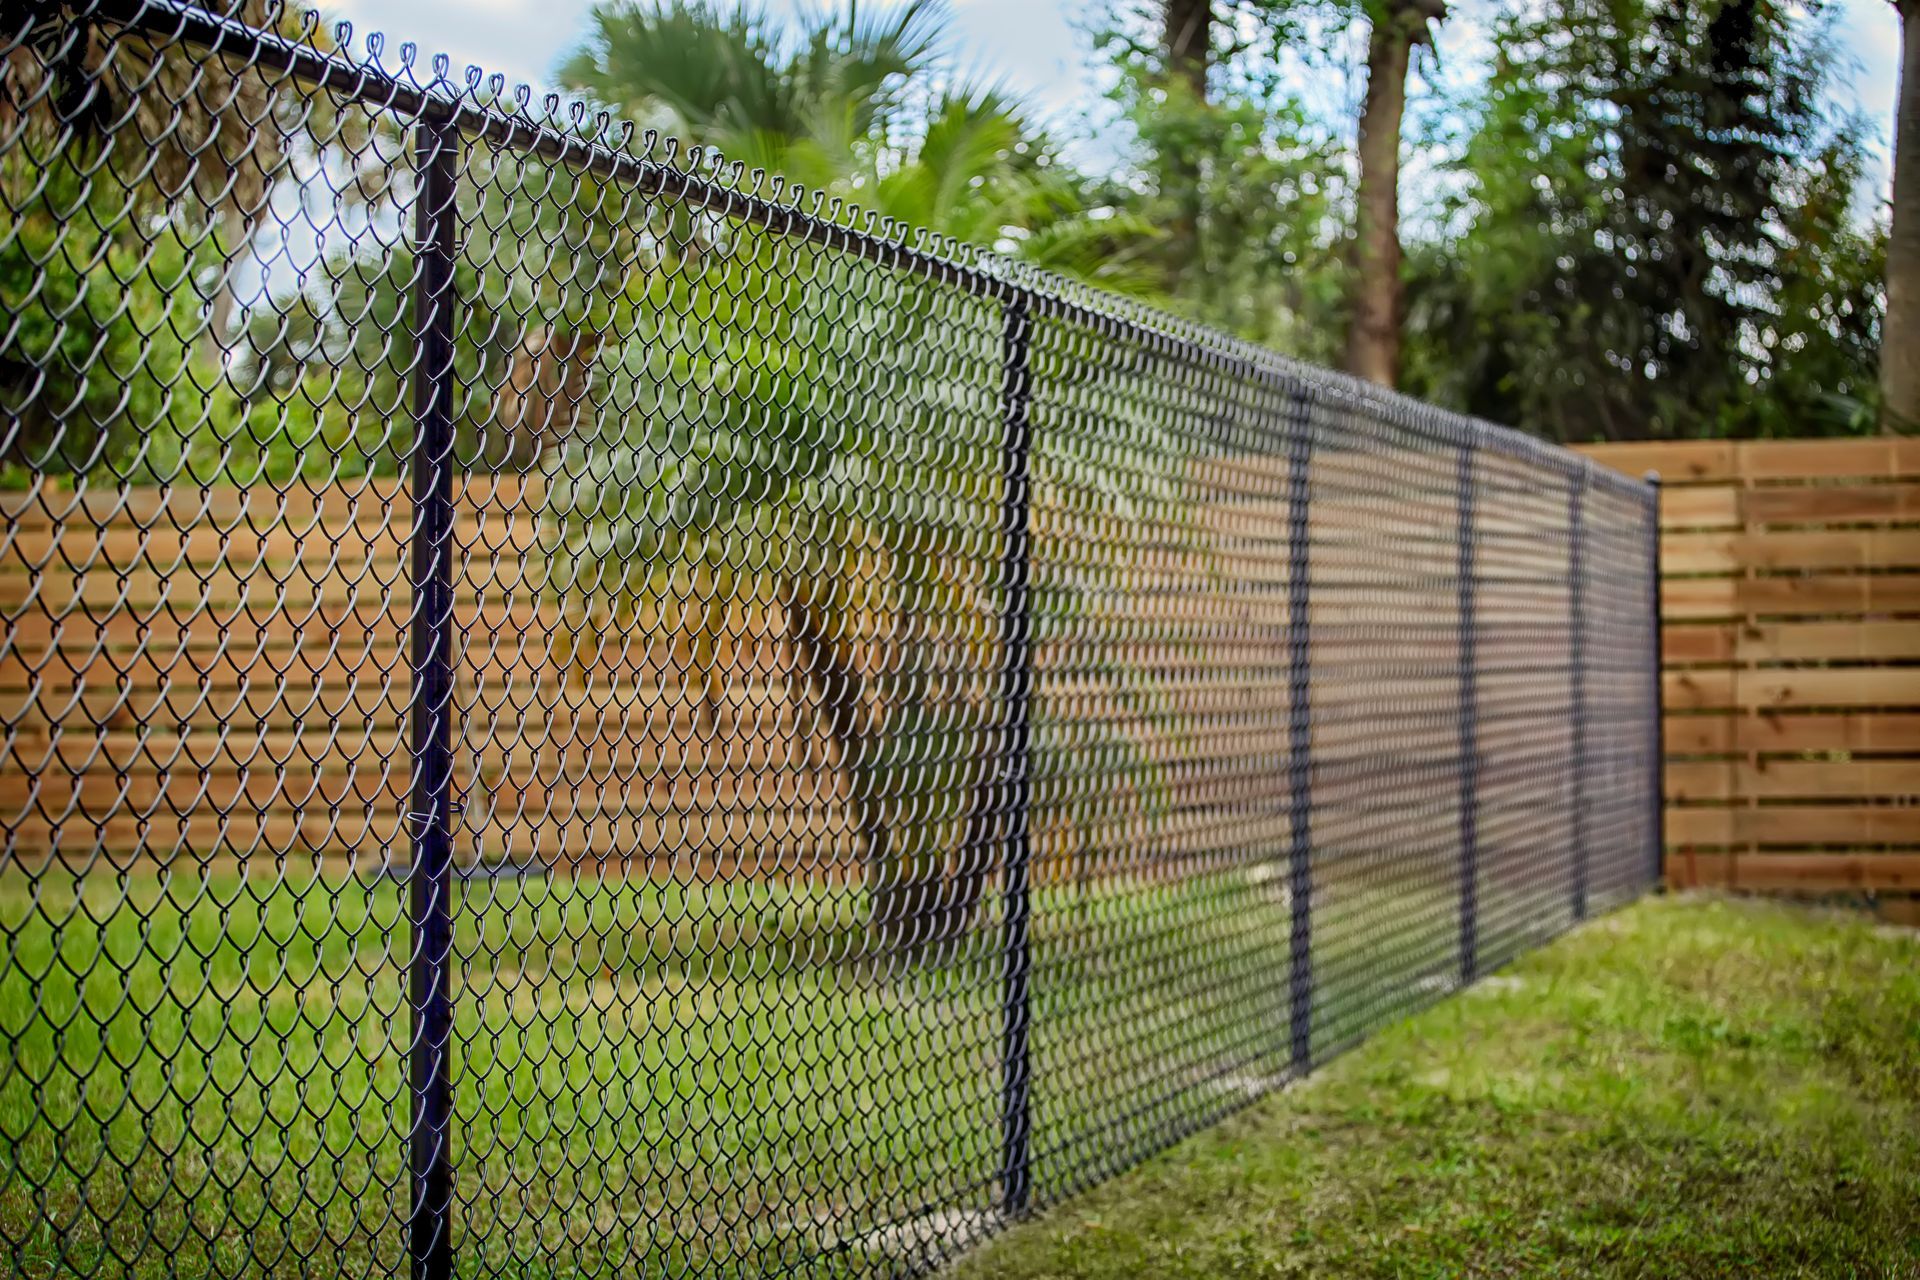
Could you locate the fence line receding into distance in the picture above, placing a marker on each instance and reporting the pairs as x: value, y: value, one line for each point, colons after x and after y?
x: 566, y: 714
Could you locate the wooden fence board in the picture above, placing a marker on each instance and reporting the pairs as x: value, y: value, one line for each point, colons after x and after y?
x: 1694, y: 643
x: 1678, y: 462
x: 1798, y: 732
x: 1797, y: 873
x: 1697, y: 599
x: 1850, y: 641
x: 1699, y: 508
x: 1834, y: 825
x: 1829, y: 459
x: 1713, y: 643
x: 1792, y: 549
x: 1778, y: 689
x: 1775, y: 779
x: 1832, y: 504
x: 1726, y: 461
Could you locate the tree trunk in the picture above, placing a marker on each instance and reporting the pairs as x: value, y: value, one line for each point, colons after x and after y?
x: 981, y: 839
x: 220, y: 324
x: 542, y: 398
x: 1900, y: 332
x: 224, y: 303
x: 1186, y: 47
x: 904, y: 892
x: 1187, y: 41
x: 917, y: 901
x: 1373, y: 329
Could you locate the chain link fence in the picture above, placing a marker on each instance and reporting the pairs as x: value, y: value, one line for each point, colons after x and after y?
x: 569, y: 711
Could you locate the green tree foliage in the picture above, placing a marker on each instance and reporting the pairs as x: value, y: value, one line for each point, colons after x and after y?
x: 860, y: 107
x: 133, y: 179
x: 799, y: 99
x: 1656, y: 234
x: 91, y: 364
x: 755, y: 470
x: 1253, y: 187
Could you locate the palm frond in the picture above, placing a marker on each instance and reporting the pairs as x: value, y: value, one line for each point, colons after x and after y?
x: 1111, y: 251
x: 709, y: 71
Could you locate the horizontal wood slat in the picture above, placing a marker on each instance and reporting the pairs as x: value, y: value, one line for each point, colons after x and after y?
x: 1797, y: 732
x: 1791, y: 688
x: 1825, y: 595
x: 1777, y: 779
x: 1727, y: 461
x: 1831, y: 504
x: 1701, y: 509
x: 1797, y: 873
x: 1794, y: 825
x: 1791, y: 550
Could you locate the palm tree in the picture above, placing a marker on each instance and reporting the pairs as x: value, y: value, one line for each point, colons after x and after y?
x: 730, y: 421
x: 758, y: 467
x: 796, y: 102
x: 182, y: 150
x: 863, y: 521
x: 856, y: 106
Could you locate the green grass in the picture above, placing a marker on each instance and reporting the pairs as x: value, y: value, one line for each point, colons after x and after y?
x: 1689, y: 1088
x: 206, y: 1074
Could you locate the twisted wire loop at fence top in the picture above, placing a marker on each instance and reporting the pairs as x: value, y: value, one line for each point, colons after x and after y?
x: 570, y: 711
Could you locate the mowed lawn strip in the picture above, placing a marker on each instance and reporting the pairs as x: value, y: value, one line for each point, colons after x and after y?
x: 1693, y: 1087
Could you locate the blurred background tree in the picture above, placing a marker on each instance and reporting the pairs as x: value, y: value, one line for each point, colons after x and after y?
x: 1638, y: 218
x: 1654, y: 231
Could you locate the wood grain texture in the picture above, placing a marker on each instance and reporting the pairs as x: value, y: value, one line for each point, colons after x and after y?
x: 1792, y: 637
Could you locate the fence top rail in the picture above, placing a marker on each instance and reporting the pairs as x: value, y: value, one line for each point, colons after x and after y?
x: 579, y: 137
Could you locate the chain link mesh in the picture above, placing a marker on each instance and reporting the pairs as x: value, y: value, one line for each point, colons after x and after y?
x: 569, y: 710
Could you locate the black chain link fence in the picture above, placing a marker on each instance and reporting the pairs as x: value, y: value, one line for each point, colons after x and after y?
x: 570, y: 712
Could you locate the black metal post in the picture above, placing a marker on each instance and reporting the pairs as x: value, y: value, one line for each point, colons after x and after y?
x: 1577, y: 664
x: 430, y: 907
x: 1016, y: 683
x: 1300, y: 723
x: 1657, y: 748
x: 1469, y: 724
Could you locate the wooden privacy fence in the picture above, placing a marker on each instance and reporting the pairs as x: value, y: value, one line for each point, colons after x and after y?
x: 258, y: 682
x: 1792, y: 609
x: 223, y: 674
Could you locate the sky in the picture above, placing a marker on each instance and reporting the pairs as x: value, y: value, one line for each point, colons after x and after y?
x: 1034, y: 47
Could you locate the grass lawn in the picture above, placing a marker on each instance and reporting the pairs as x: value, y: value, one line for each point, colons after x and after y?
x: 206, y: 1075
x: 1690, y: 1088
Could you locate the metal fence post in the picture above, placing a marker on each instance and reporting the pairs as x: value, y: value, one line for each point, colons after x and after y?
x: 1469, y: 715
x: 1577, y: 663
x: 1657, y: 748
x: 1016, y: 634
x: 430, y: 907
x: 1300, y: 724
